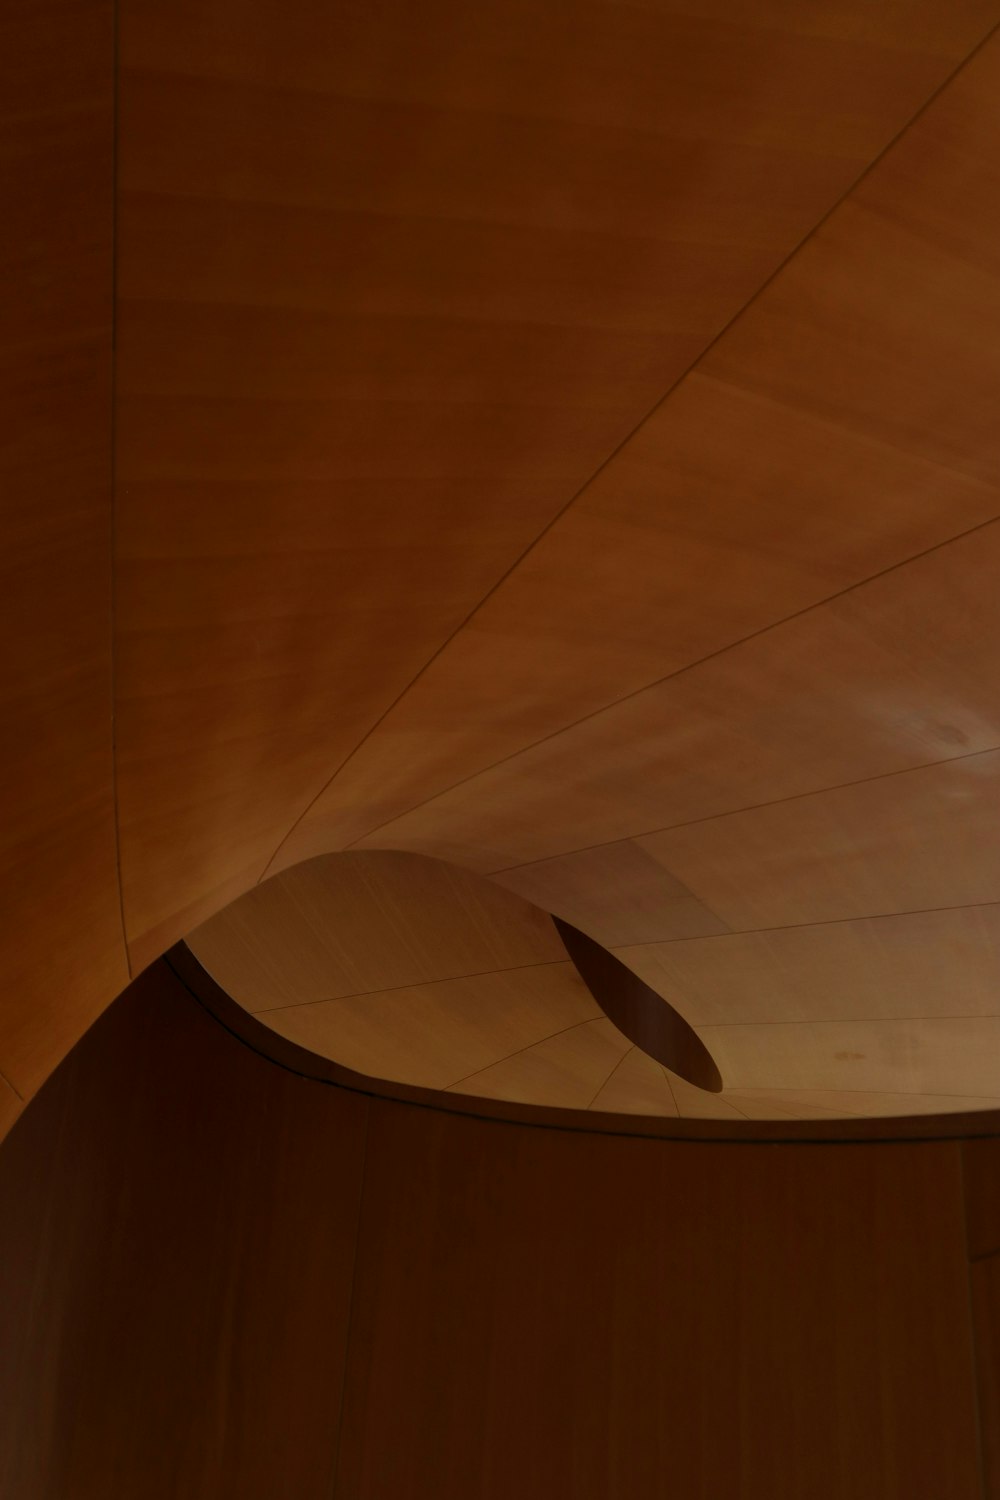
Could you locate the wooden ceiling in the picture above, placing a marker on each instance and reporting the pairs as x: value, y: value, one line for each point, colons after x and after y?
x: 556, y: 439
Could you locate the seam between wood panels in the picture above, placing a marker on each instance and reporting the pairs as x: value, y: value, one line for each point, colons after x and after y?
x: 113, y: 518
x: 15, y: 1091
x: 875, y: 916
x: 528, y: 1047
x: 627, y: 1053
x: 441, y: 1105
x: 335, y: 1469
x: 717, y: 817
x: 649, y: 687
x: 636, y: 428
x: 973, y: 1339
x: 670, y: 1086
x: 391, y: 989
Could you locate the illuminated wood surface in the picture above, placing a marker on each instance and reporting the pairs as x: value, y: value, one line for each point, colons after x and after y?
x: 558, y: 441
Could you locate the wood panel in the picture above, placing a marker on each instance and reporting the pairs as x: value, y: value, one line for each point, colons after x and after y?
x: 985, y: 1279
x: 378, y: 322
x: 908, y: 665
x: 60, y: 931
x: 916, y: 841
x: 177, y: 1220
x: 741, y: 501
x: 354, y: 924
x: 642, y: 1316
x: 981, y: 1178
x: 929, y: 964
x: 943, y: 1056
x: 564, y: 1071
x: 616, y: 893
x: 439, y: 1035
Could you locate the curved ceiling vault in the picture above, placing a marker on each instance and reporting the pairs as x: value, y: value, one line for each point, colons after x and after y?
x: 556, y: 440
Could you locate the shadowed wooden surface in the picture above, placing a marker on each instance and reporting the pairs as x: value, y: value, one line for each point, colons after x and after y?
x: 60, y: 926
x: 223, y: 1280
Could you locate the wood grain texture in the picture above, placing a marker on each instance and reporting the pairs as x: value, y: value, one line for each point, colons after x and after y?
x: 913, y: 842
x: 930, y: 964
x: 816, y: 1261
x: 981, y: 1178
x: 177, y: 1221
x: 438, y: 1035
x: 944, y: 1056
x: 985, y: 1280
x: 615, y: 893
x: 896, y: 674
x: 356, y: 382
x: 356, y: 924
x: 742, y: 501
x: 60, y: 930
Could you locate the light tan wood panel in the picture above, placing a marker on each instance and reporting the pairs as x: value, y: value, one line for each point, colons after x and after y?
x: 897, y: 673
x: 696, y: 1104
x: 637, y: 1085
x: 742, y: 501
x: 378, y: 322
x: 349, y: 924
x: 60, y: 929
x: 918, y: 840
x: 437, y: 1035
x: 788, y: 1105
x: 929, y: 964
x: 616, y: 894
x: 567, y: 1071
x: 943, y: 1056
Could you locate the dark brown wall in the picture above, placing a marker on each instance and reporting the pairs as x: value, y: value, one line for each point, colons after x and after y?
x: 196, y: 1244
x: 177, y: 1229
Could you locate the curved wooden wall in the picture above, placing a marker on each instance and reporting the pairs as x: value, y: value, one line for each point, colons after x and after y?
x: 426, y: 1304
x: 558, y: 439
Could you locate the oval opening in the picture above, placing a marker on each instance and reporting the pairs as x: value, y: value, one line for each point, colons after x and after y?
x: 649, y: 1021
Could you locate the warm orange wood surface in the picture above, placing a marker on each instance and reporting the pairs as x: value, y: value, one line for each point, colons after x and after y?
x: 559, y: 440
x: 60, y: 928
x: 818, y: 443
x: 357, y: 380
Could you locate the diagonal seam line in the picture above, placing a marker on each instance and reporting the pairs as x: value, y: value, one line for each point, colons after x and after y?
x: 730, y: 323
x: 518, y: 1051
x: 391, y: 989
x: 876, y: 916
x: 717, y: 817
x: 626, y: 1054
x: 670, y: 1086
x: 648, y: 687
x: 16, y: 1092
